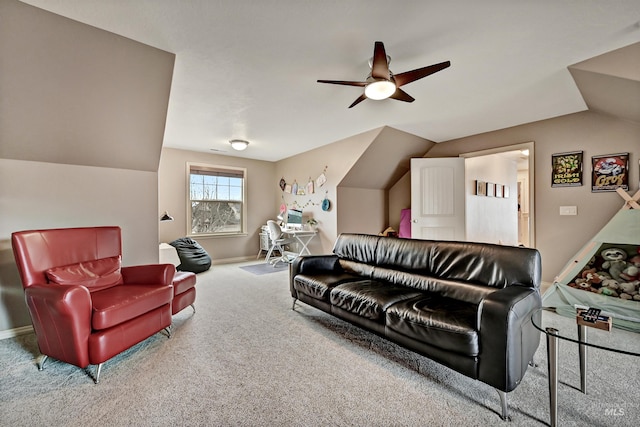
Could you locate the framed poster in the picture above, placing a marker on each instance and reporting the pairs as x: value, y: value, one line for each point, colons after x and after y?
x: 610, y: 172
x: 566, y: 169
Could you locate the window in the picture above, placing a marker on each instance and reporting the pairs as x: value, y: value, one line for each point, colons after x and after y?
x: 216, y: 200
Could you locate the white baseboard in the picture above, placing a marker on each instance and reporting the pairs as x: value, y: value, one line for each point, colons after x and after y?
x: 10, y: 333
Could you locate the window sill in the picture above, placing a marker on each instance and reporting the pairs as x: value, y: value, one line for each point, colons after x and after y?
x: 216, y: 236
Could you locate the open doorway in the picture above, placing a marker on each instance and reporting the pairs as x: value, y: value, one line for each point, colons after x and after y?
x: 523, y: 155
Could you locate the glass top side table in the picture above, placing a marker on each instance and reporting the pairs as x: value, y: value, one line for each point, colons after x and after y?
x: 615, y: 340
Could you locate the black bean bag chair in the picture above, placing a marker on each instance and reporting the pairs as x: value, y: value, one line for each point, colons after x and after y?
x: 192, y: 256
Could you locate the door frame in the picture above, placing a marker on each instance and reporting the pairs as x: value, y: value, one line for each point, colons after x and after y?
x: 522, y: 146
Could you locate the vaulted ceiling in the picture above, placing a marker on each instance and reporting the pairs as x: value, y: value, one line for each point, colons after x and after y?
x: 248, y: 69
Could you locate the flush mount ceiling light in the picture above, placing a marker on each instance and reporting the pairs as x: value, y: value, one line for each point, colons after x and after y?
x: 239, y: 144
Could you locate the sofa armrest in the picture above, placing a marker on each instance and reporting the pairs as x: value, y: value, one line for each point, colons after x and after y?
x: 150, y: 274
x: 55, y: 308
x: 508, y: 340
x: 309, y: 264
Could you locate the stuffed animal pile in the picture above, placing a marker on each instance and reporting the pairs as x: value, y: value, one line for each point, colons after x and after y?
x: 614, y: 272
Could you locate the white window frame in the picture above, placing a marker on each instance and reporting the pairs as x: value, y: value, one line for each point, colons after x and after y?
x: 216, y: 168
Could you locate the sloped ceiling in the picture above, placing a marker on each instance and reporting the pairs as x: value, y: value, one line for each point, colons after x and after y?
x: 610, y: 83
x: 248, y: 69
x: 386, y: 160
x: 74, y: 94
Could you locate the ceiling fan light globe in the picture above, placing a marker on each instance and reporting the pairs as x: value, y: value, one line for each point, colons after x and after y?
x: 380, y: 89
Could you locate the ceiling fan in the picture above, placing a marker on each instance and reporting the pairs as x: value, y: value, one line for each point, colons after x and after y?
x: 382, y: 83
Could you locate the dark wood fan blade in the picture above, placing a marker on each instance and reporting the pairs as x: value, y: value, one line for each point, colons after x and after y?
x: 379, y: 67
x: 342, y: 82
x: 359, y: 100
x: 401, y: 95
x: 413, y: 75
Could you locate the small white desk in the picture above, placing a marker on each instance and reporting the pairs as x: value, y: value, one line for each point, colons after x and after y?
x: 302, y: 237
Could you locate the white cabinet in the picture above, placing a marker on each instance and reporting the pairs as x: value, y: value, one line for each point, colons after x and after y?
x: 265, y: 244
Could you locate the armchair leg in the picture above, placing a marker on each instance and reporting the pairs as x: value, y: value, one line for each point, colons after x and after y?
x: 293, y: 306
x: 41, y: 363
x: 97, y: 374
x: 504, y: 403
x: 168, y: 330
x: 193, y: 306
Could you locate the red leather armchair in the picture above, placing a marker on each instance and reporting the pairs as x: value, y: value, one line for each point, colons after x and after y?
x: 85, y: 307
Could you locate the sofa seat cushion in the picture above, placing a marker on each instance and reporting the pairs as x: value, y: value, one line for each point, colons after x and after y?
x: 442, y: 322
x: 118, y: 304
x: 318, y: 285
x: 368, y: 298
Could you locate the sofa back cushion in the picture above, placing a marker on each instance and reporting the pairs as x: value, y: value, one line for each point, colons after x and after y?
x: 95, y: 275
x: 357, y: 247
x: 482, y: 264
x: 455, y: 289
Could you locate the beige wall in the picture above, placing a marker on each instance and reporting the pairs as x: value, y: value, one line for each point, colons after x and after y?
x: 82, y: 115
x: 262, y: 187
x: 559, y: 237
x: 338, y: 159
x: 75, y: 94
x: 358, y: 170
x: 36, y: 195
x: 362, y: 210
x: 399, y: 196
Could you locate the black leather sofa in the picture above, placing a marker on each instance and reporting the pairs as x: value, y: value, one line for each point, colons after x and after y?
x: 465, y: 305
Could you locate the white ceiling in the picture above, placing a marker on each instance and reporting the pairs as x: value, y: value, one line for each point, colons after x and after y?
x: 248, y: 69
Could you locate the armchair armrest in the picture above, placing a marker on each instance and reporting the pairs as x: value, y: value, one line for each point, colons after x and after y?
x: 508, y: 339
x: 150, y: 274
x: 61, y: 317
x: 309, y: 264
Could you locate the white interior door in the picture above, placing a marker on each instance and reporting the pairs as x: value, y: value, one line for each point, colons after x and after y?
x: 438, y: 199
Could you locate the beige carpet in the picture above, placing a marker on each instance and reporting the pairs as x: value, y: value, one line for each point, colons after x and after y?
x: 246, y: 359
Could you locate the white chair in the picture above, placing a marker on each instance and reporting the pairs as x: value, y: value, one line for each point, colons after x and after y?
x: 278, y: 240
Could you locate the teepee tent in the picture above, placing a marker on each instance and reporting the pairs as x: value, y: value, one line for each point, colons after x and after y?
x: 573, y: 288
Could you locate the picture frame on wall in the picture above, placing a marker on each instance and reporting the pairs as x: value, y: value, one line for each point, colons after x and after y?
x: 499, y: 190
x: 610, y: 172
x: 481, y: 188
x: 491, y: 189
x: 566, y: 169
x: 505, y: 191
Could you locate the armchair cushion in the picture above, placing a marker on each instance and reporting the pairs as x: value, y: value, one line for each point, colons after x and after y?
x: 94, y: 275
x: 118, y: 304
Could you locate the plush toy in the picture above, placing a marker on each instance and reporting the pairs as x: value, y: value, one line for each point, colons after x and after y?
x: 591, y: 277
x: 611, y: 284
x: 614, y: 261
x: 632, y: 271
x: 629, y: 289
x: 610, y: 287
